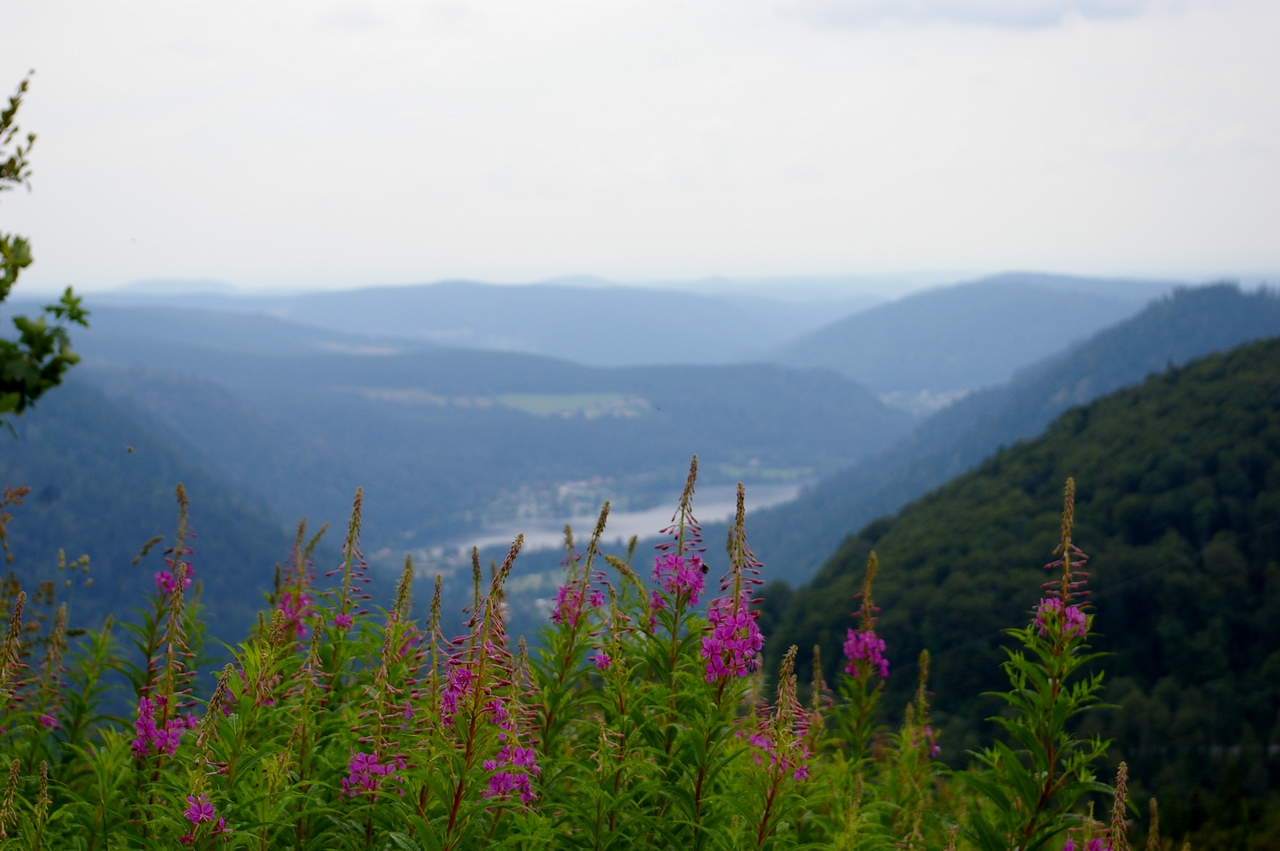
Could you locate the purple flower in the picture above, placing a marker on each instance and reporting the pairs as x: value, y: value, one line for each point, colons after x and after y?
x: 166, y: 584
x: 656, y: 604
x: 601, y: 660
x: 364, y: 773
x: 1050, y: 614
x: 48, y: 721
x: 145, y: 727
x: 568, y: 607
x: 166, y: 740
x: 792, y: 757
x: 151, y: 737
x: 1070, y: 845
x: 503, y: 782
x: 1099, y: 845
x: 572, y: 600
x: 680, y: 576
x: 296, y: 609
x: 863, y: 646
x: 930, y: 738
x: 498, y: 713
x: 1076, y: 624
x: 343, y: 621
x: 199, y: 810
x: 457, y: 684
x: 733, y: 640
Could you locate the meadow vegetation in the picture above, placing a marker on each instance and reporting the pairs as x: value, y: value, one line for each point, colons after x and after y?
x: 640, y: 717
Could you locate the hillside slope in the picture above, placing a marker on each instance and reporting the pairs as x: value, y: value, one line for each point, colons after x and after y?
x: 796, y: 538
x: 1178, y: 506
x: 91, y: 495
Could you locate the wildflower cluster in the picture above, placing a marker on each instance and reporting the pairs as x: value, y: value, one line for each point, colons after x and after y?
x: 861, y: 647
x: 680, y: 576
x: 733, y: 639
x: 365, y: 774
x: 635, y: 720
x: 1052, y: 617
x: 151, y: 737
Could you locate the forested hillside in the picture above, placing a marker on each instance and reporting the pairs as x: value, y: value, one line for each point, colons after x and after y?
x: 795, y: 539
x: 102, y: 484
x: 1179, y: 508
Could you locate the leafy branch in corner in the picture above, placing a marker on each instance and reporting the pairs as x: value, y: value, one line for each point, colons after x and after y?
x: 37, y: 360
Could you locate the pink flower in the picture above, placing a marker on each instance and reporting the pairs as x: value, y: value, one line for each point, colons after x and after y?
x: 364, y: 773
x: 166, y: 584
x: 931, y: 739
x: 733, y: 640
x: 343, y: 621
x: 656, y: 604
x: 571, y: 600
x: 680, y: 576
x: 48, y: 721
x: 791, y: 759
x: 296, y: 609
x: 145, y: 727
x: 863, y: 646
x: 198, y: 810
x: 457, y: 684
x: 1049, y: 614
x: 503, y: 782
x: 602, y: 660
x: 498, y: 713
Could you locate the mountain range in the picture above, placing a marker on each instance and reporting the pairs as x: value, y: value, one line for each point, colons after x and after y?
x: 920, y: 350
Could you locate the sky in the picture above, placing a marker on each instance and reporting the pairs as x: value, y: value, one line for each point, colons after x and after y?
x: 334, y: 144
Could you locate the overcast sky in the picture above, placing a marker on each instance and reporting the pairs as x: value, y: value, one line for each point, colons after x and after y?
x: 283, y: 144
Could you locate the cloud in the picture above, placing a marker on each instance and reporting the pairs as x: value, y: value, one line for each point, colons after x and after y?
x: 1005, y: 14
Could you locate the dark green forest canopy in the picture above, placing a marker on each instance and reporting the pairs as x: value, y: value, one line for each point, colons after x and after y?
x: 1178, y: 507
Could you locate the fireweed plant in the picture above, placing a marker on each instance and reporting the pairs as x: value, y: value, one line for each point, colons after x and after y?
x: 640, y: 719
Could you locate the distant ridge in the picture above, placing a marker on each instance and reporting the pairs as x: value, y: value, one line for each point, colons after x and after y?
x: 970, y: 335
x: 605, y: 325
x: 177, y: 286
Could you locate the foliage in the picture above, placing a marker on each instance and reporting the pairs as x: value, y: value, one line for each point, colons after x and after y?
x: 37, y: 360
x: 639, y: 722
x: 1180, y: 500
